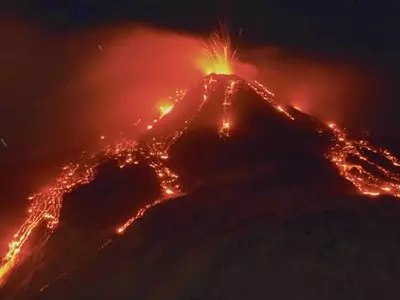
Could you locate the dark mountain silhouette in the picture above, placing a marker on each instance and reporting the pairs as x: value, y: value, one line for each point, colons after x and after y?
x: 265, y: 215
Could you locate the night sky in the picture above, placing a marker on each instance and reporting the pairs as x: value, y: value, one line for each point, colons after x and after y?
x: 365, y: 28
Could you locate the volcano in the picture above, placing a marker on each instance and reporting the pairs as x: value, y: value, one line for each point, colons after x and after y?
x: 228, y: 153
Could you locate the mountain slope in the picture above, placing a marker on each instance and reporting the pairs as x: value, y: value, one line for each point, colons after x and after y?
x: 227, y: 148
x: 238, y: 243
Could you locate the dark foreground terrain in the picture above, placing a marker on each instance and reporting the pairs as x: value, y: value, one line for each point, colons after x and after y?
x: 245, y: 241
x: 265, y: 216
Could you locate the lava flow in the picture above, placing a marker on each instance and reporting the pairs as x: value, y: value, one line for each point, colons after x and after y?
x: 45, y: 206
x: 384, y: 182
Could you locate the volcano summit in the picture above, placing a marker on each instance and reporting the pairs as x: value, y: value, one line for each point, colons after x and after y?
x: 209, y: 134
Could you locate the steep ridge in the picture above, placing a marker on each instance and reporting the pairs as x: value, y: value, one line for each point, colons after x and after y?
x: 224, y: 132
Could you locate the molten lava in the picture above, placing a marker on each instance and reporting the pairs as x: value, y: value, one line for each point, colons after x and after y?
x: 165, y: 109
x: 384, y: 182
x: 219, y: 55
x: 45, y: 206
x: 226, y: 104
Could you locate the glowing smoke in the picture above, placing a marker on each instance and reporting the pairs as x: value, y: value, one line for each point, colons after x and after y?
x: 331, y: 89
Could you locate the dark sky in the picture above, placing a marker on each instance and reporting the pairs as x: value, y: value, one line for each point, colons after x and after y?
x: 362, y: 32
x: 363, y: 27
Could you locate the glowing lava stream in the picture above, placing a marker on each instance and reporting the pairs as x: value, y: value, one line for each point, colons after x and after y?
x: 45, y: 206
x: 367, y: 183
x: 226, y: 104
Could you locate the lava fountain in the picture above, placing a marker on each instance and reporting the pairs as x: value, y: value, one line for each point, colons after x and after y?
x: 219, y: 56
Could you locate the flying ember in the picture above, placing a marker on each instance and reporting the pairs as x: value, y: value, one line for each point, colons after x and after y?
x: 219, y: 55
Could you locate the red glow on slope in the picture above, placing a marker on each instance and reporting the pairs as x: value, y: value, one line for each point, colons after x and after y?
x: 45, y: 206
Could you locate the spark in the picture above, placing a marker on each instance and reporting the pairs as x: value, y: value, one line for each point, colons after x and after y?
x: 240, y: 32
x: 219, y: 55
x: 4, y: 142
